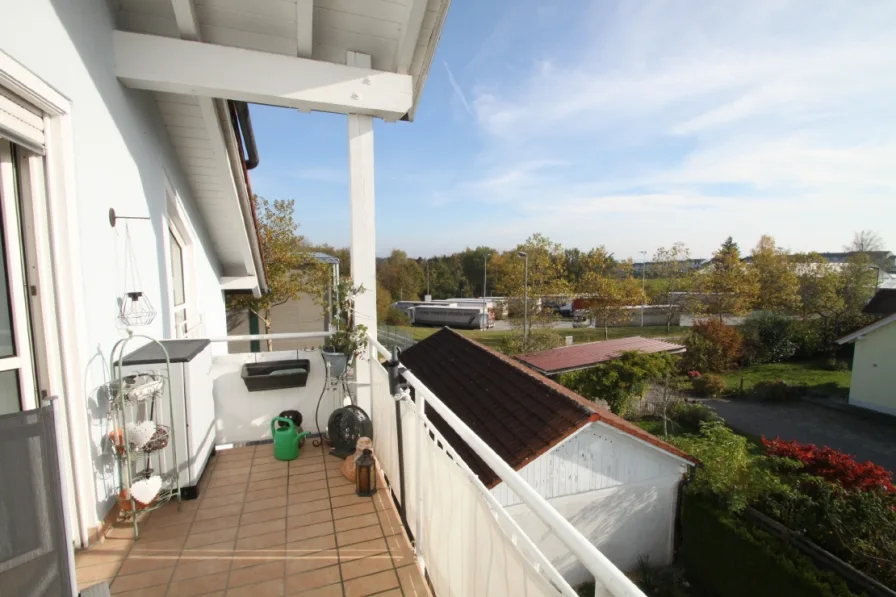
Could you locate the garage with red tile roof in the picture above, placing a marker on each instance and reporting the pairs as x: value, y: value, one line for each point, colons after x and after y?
x: 589, y: 354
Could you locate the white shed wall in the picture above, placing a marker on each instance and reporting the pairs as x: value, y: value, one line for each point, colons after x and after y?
x: 623, y: 522
x: 596, y: 457
x: 122, y: 158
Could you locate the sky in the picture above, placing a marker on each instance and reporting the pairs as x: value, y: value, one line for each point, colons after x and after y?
x: 631, y: 124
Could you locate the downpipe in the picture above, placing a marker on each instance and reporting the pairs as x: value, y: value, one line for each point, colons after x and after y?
x: 398, y: 389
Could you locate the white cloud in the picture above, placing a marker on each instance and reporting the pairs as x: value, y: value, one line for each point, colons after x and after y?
x: 702, y: 118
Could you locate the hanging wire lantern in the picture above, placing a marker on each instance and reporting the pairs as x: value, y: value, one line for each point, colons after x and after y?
x: 136, y: 308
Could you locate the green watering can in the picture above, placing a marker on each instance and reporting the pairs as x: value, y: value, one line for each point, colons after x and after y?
x: 286, y: 439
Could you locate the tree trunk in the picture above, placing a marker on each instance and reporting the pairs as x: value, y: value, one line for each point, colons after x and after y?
x: 606, y: 329
x: 267, y: 328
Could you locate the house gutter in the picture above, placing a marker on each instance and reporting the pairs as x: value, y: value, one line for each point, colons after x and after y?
x: 247, y: 199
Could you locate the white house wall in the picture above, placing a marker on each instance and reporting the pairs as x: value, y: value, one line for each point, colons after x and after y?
x: 624, y: 522
x: 121, y: 158
x: 597, y: 457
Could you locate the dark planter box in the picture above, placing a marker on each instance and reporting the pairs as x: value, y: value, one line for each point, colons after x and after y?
x: 276, y: 375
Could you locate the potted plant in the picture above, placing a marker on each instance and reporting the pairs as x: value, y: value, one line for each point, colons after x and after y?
x: 348, y: 340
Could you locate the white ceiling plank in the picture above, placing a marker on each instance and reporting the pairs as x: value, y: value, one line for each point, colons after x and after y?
x: 158, y: 63
x: 132, y: 21
x: 380, y: 49
x: 187, y: 122
x: 251, y: 22
x: 283, y: 10
x: 354, y: 23
x: 185, y: 15
x: 176, y: 109
x: 259, y: 42
x: 388, y: 11
x: 410, y: 34
x: 304, y: 28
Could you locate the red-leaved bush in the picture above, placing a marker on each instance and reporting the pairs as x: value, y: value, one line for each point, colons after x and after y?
x: 833, y: 466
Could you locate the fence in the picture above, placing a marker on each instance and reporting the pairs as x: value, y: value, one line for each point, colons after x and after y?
x: 395, y: 337
x: 464, y: 539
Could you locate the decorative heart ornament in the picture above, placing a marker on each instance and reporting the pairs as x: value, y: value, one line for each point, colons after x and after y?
x: 145, y: 491
x: 140, y: 433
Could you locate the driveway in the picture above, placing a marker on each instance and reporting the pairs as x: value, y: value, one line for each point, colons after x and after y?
x: 866, y: 435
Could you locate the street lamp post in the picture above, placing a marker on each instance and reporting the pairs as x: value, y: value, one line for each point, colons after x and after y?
x: 525, y: 301
x: 485, y: 277
x: 428, y: 293
x: 643, y: 284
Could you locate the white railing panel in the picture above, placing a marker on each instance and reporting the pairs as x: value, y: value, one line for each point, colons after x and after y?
x: 466, y: 552
x: 385, y: 436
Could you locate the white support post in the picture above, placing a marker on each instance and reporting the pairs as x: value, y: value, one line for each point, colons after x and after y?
x: 363, y: 227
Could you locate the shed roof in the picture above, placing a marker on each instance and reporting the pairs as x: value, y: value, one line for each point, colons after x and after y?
x: 882, y: 303
x: 519, y: 413
x: 579, y: 356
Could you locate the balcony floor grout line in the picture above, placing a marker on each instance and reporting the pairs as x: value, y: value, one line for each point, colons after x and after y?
x: 333, y: 520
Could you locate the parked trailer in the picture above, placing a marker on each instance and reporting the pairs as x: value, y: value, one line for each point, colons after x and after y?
x: 470, y: 318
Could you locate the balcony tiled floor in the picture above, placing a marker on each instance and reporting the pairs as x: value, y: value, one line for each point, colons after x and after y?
x: 262, y: 528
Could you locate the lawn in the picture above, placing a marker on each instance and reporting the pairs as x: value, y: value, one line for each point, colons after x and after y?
x: 493, y: 338
x: 807, y: 373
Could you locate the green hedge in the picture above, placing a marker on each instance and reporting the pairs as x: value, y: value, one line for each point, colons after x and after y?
x: 727, y: 556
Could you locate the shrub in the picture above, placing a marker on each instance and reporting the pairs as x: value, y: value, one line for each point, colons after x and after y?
x: 726, y: 555
x: 807, y: 337
x: 620, y: 381
x: 712, y: 346
x: 832, y: 465
x: 395, y: 316
x: 513, y: 343
x: 768, y: 338
x: 708, y: 385
x: 776, y: 391
x: 731, y: 474
x: 690, y: 414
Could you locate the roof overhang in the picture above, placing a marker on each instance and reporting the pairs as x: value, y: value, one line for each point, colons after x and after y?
x: 858, y: 334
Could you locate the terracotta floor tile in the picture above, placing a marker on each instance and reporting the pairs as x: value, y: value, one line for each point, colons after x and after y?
x: 412, y: 583
x: 263, y: 515
x: 306, y: 507
x: 262, y: 541
x: 246, y: 558
x: 261, y: 494
x: 305, y: 581
x: 215, y: 524
x: 356, y: 522
x: 295, y: 479
x: 328, y: 591
x: 264, y: 504
x: 97, y: 572
x: 306, y: 467
x: 390, y: 522
x: 305, y: 546
x: 231, y: 471
x: 261, y: 528
x: 132, y: 582
x: 188, y: 567
x: 237, y: 452
x: 172, y: 545
x: 269, y: 483
x: 348, y: 500
x: 215, y: 550
x: 359, y: 535
x: 227, y: 489
x: 97, y: 555
x: 341, y: 490
x: 157, y: 533
x: 136, y: 564
x: 229, y: 481
x: 271, y: 588
x: 256, y: 574
x: 310, y: 531
x: 366, y: 566
x: 401, y: 550
x: 369, y: 585
x: 210, y: 513
x: 224, y: 500
x: 271, y: 466
x: 199, y: 585
x: 305, y: 562
x: 338, y: 480
x: 211, y: 537
x: 392, y: 593
x: 298, y: 517
x: 156, y: 591
x: 363, y: 550
x: 308, y: 486
x: 355, y: 510
x: 308, y: 496
x: 262, y: 475
x: 168, y: 515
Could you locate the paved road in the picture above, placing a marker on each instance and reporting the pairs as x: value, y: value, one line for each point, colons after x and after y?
x: 866, y: 435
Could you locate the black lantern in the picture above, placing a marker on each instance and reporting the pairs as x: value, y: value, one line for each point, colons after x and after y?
x: 365, y: 475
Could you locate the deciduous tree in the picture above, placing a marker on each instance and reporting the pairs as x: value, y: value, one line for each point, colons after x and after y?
x: 778, y: 283
x: 607, y: 300
x: 727, y: 285
x: 674, y: 278
x: 402, y: 277
x: 290, y: 267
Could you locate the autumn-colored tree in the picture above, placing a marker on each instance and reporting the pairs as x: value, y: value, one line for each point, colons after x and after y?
x: 778, y: 283
x: 833, y: 295
x: 607, y: 300
x: 727, y: 285
x: 674, y: 278
x: 402, y: 277
x: 546, y: 277
x: 865, y: 241
x: 290, y: 267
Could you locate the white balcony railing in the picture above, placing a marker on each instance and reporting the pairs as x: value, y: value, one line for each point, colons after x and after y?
x: 464, y: 539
